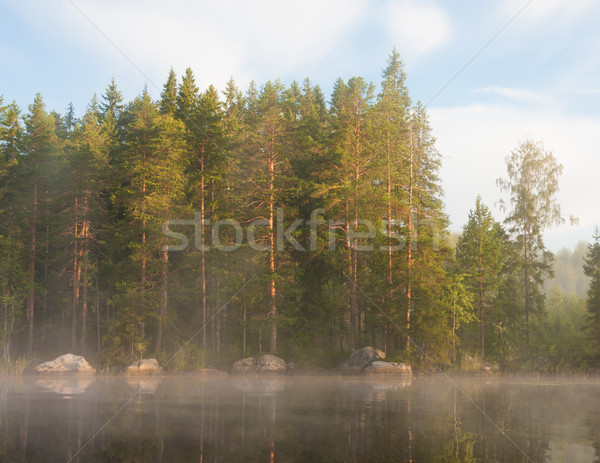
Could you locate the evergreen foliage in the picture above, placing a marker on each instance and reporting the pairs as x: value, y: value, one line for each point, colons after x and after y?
x: 301, y: 227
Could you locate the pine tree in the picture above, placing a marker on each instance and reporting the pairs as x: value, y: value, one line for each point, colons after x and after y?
x: 316, y: 310
x: 352, y: 186
x: 425, y: 222
x: 13, y: 264
x: 88, y: 159
x: 205, y: 143
x: 38, y: 145
x: 393, y: 145
x: 154, y: 145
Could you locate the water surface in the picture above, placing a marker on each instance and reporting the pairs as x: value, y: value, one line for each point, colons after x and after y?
x: 298, y: 419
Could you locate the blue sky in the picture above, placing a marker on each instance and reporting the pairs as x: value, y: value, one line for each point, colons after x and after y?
x: 538, y: 78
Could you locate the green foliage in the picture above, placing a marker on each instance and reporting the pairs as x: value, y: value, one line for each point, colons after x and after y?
x: 480, y: 254
x: 532, y: 185
x: 592, y: 270
x: 458, y: 302
x: 83, y: 255
x: 569, y: 276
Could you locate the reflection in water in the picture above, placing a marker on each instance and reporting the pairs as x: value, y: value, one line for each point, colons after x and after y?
x: 65, y: 386
x: 274, y: 419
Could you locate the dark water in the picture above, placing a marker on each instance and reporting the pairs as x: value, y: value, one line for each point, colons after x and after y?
x: 298, y: 419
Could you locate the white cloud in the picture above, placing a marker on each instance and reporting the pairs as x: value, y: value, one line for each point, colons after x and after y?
x: 217, y: 39
x: 417, y: 28
x: 561, y: 12
x: 476, y: 139
x: 516, y: 94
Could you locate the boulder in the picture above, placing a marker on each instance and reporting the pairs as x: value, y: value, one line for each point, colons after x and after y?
x: 270, y: 364
x: 264, y: 364
x: 361, y: 359
x: 388, y: 368
x: 346, y: 369
x: 474, y: 365
x: 144, y: 367
x: 490, y: 368
x: 245, y: 365
x: 209, y: 371
x: 291, y: 368
x: 66, y: 364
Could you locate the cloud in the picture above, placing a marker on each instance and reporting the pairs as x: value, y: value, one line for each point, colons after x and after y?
x: 217, y: 39
x: 561, y: 12
x: 516, y: 94
x: 476, y: 139
x: 417, y: 28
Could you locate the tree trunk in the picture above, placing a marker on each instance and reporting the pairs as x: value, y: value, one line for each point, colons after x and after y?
x: 76, y: 276
x: 202, y: 261
x: 526, y: 245
x: 244, y: 329
x: 481, y: 308
x: 409, y: 242
x: 454, y: 330
x: 31, y: 270
x: 162, y: 311
x: 273, y: 289
x: 85, y: 235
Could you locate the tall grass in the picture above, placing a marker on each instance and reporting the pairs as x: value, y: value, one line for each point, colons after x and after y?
x: 14, y: 367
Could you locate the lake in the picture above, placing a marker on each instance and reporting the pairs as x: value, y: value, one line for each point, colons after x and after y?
x: 298, y: 419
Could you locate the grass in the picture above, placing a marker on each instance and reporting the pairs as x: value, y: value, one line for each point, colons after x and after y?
x: 14, y: 367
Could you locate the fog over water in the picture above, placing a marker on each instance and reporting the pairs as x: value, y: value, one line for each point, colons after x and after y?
x: 297, y: 419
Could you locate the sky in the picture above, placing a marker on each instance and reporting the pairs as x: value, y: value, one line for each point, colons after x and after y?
x: 492, y: 73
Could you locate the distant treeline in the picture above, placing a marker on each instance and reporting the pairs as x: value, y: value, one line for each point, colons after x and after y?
x: 226, y: 224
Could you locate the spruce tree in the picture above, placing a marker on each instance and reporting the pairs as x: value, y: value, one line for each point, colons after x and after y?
x: 592, y: 270
x: 168, y: 97
x: 38, y: 145
x: 479, y: 254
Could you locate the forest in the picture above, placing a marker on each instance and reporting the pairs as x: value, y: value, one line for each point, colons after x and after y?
x: 218, y: 225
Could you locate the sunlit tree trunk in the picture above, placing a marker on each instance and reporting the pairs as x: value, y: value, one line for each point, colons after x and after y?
x: 31, y: 270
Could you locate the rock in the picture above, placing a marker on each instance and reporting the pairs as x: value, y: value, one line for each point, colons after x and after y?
x: 245, y: 365
x: 361, y: 359
x: 264, y: 364
x: 490, y: 368
x: 291, y: 368
x: 270, y: 364
x: 346, y: 369
x: 473, y: 365
x: 388, y: 368
x: 209, y: 371
x: 144, y: 367
x: 66, y: 364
